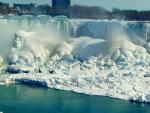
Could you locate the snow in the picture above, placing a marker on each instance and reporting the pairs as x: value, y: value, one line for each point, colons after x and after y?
x: 89, y: 78
x: 32, y: 46
x: 117, y: 67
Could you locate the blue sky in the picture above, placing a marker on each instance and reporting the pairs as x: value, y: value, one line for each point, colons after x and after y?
x: 108, y: 4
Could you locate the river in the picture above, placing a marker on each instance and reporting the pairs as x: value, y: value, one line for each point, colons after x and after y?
x: 17, y: 98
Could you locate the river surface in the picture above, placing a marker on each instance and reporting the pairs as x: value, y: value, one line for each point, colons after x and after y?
x: 16, y: 98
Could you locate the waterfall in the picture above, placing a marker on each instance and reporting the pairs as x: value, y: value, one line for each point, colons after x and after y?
x: 74, y: 28
x: 104, y: 28
x: 48, y: 28
x: 28, y: 23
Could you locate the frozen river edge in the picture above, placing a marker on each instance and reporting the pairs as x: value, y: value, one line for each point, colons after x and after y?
x: 126, y: 87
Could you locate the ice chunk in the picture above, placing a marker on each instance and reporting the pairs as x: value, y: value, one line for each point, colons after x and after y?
x: 13, y: 69
x: 115, y: 55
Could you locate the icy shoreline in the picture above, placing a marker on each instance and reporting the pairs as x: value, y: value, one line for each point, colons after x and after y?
x: 129, y: 82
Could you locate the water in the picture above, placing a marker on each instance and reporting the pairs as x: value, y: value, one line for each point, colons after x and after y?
x: 30, y: 99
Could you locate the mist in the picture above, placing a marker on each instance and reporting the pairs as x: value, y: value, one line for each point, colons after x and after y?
x: 25, y: 44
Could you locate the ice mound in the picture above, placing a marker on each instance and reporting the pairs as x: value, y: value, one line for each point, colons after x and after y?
x: 29, y: 47
x: 86, y: 47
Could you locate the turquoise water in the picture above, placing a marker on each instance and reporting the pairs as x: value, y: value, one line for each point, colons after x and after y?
x: 30, y: 99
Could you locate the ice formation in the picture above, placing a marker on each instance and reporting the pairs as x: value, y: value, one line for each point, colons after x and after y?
x: 101, y: 57
x: 29, y: 47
